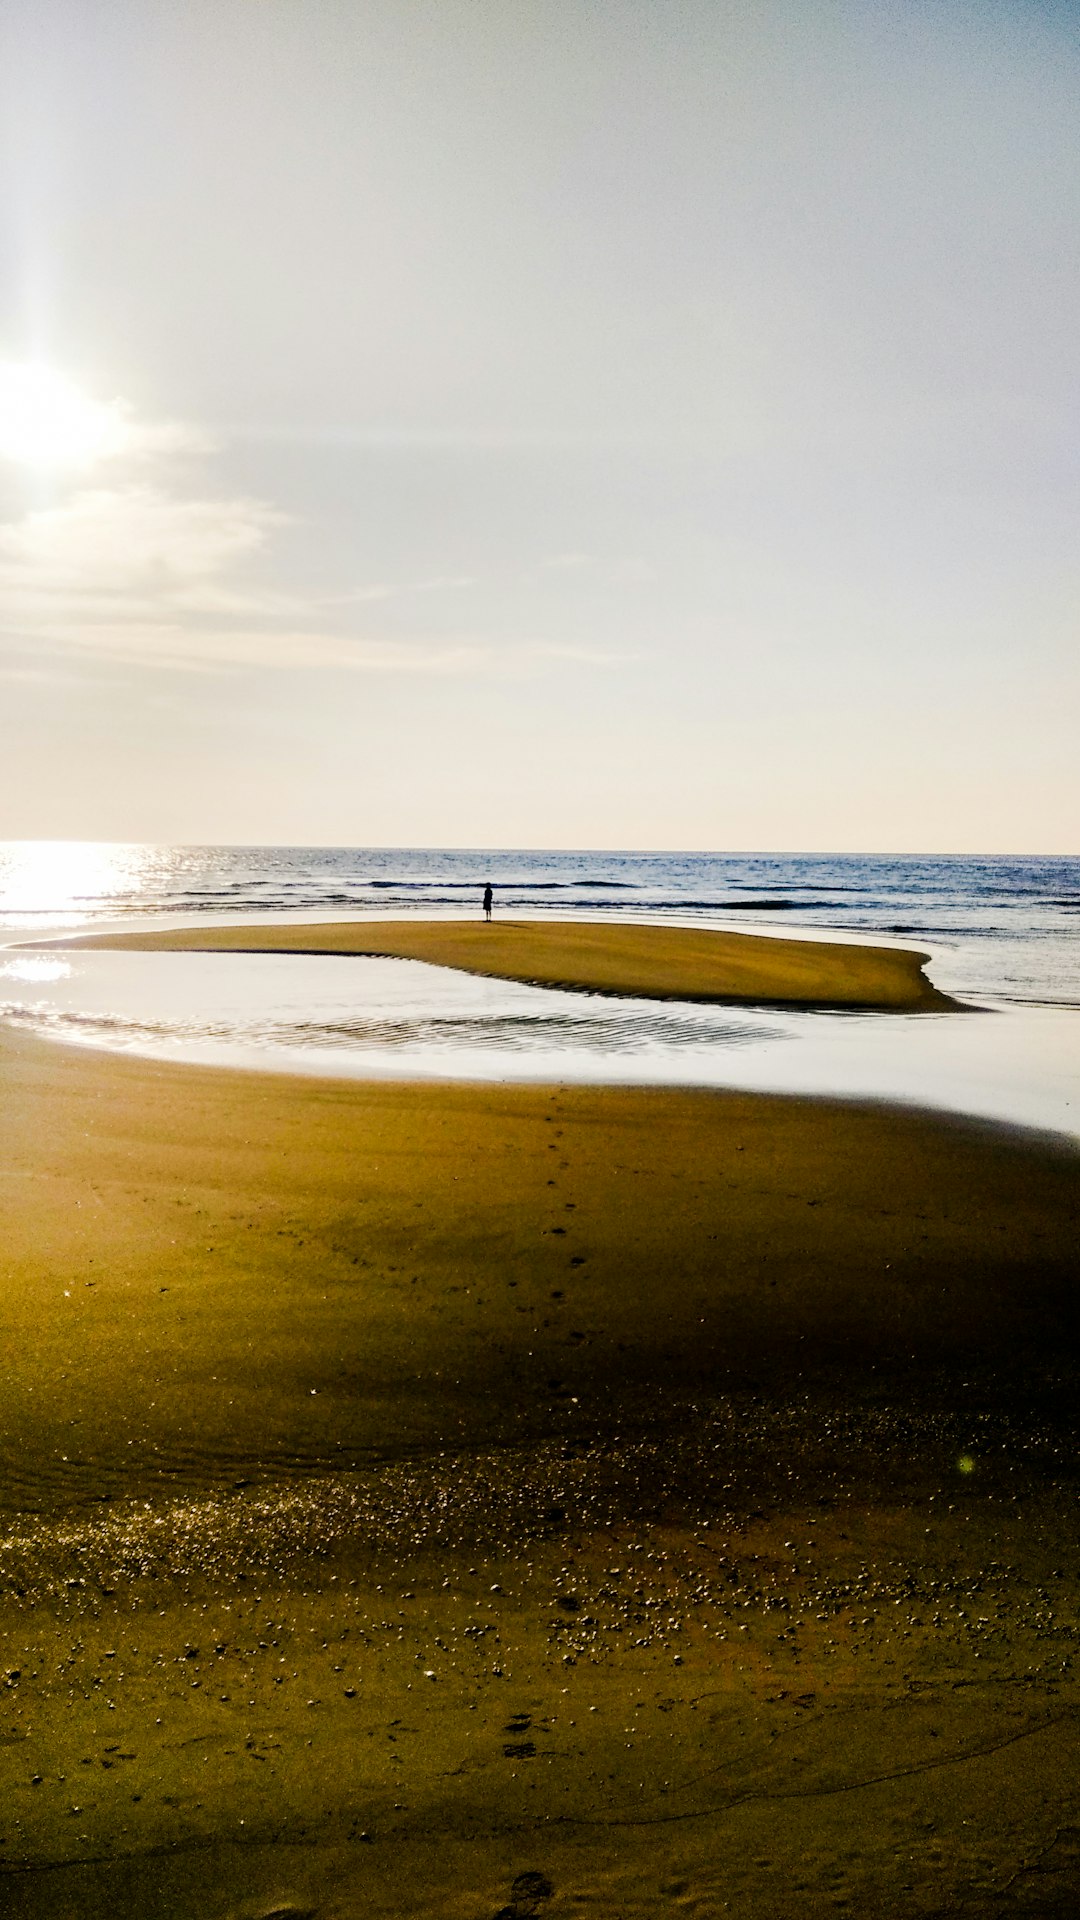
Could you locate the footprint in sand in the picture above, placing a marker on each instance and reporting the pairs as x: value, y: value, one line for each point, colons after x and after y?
x: 527, y: 1895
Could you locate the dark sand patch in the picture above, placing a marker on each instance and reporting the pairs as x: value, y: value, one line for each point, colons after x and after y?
x: 780, y: 1480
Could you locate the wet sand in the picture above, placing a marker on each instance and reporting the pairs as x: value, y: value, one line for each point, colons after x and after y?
x: 655, y: 962
x: 529, y: 1501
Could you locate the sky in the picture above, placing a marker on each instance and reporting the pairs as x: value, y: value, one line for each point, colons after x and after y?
x: 541, y: 423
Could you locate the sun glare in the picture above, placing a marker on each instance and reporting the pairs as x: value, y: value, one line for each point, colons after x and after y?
x: 45, y: 421
x: 47, y: 883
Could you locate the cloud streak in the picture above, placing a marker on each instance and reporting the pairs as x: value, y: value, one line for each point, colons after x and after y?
x: 137, y: 541
x: 136, y: 575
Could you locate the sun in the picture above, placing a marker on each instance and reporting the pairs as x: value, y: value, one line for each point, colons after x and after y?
x: 45, y: 421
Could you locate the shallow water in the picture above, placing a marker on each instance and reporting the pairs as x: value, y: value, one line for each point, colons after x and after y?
x: 360, y: 1017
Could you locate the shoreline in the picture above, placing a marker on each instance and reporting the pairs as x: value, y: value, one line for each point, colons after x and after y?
x: 1055, y: 1141
x: 644, y: 960
x: 409, y: 1488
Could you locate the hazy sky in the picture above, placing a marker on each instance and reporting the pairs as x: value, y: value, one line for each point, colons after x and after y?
x: 541, y: 422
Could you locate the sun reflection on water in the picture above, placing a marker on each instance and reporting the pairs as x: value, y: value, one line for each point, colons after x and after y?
x: 54, y: 883
x: 38, y: 972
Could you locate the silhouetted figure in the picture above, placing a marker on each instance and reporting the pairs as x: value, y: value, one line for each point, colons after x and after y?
x: 487, y: 901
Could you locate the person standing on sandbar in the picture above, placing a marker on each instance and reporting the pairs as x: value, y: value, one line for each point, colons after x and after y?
x: 487, y: 901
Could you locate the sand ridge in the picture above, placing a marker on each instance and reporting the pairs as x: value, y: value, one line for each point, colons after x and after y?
x: 648, y: 960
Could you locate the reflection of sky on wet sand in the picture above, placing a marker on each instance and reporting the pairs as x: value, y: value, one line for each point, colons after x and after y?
x: 358, y: 1017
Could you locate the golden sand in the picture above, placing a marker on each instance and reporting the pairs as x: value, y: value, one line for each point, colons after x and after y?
x: 658, y: 962
x: 528, y: 1500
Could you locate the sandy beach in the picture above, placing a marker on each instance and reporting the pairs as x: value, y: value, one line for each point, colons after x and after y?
x: 529, y: 1501
x: 655, y: 962
x: 539, y: 967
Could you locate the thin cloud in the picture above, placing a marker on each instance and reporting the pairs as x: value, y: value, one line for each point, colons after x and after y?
x: 587, y: 656
x: 231, y: 649
x: 129, y: 541
x: 136, y: 575
x: 395, y: 589
x: 423, y: 438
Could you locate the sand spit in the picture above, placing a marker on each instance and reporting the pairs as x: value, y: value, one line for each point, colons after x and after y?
x: 654, y: 962
x: 534, y: 1502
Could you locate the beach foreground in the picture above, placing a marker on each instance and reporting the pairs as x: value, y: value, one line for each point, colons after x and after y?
x: 529, y: 1501
x: 655, y: 962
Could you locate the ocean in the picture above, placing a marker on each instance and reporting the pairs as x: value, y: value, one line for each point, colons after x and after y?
x: 1001, y: 932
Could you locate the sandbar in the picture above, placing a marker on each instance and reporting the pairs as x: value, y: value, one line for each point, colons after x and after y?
x: 528, y: 1501
x: 650, y: 961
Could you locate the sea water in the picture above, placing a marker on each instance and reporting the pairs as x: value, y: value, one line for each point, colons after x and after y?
x: 1001, y: 933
